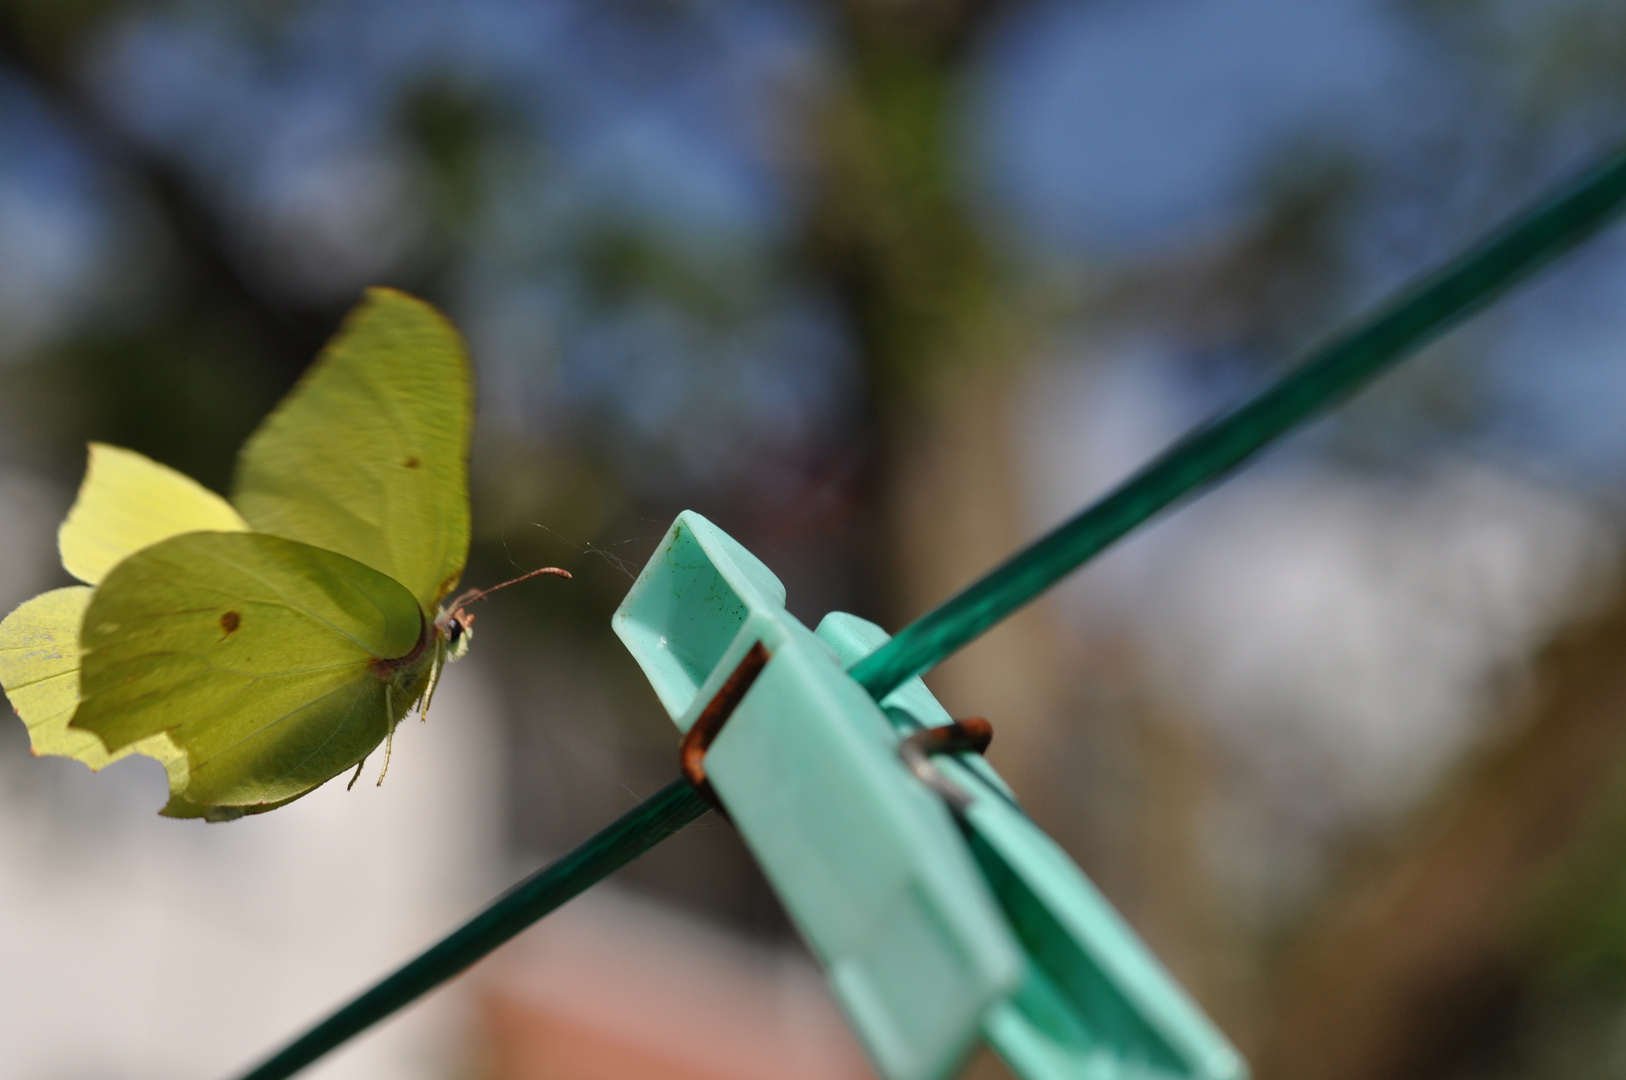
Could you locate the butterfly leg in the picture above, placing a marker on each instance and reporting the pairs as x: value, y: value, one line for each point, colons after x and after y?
x: 357, y: 775
x: 389, y: 737
x: 434, y: 678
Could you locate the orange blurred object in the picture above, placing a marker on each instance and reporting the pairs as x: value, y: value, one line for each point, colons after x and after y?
x: 613, y: 988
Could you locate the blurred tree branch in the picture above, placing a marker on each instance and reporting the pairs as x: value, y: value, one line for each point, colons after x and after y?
x: 1419, y: 968
x: 38, y: 42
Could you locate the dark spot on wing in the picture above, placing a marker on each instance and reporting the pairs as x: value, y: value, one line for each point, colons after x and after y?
x: 412, y: 463
x: 229, y: 622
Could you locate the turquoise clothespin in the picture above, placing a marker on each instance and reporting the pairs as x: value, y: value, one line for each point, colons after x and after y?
x: 939, y: 910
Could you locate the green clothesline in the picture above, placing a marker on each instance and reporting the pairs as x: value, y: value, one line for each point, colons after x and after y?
x: 1398, y: 328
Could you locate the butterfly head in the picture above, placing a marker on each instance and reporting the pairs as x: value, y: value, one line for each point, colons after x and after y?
x: 456, y: 628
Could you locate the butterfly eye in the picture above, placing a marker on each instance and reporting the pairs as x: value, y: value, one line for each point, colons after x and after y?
x: 454, y: 629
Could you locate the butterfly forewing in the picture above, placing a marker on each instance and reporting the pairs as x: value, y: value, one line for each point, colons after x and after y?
x: 263, y: 659
x: 368, y: 455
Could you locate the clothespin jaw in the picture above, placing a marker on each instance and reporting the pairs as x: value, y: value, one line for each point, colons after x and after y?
x: 1094, y: 1001
x: 933, y: 926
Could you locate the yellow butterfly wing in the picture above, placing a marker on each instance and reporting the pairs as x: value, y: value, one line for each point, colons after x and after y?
x: 39, y: 667
x: 129, y: 502
x: 368, y: 455
x: 273, y: 664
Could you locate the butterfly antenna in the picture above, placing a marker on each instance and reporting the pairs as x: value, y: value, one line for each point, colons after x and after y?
x: 480, y: 594
x: 389, y: 738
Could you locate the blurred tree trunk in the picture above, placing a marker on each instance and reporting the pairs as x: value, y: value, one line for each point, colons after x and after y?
x: 944, y: 351
x: 947, y: 350
x: 1421, y: 963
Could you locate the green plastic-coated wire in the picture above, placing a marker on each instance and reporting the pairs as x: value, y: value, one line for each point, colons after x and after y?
x: 1413, y: 317
x: 634, y: 833
x: 1399, y: 327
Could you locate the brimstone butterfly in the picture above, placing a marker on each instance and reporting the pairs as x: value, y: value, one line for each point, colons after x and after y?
x: 260, y: 647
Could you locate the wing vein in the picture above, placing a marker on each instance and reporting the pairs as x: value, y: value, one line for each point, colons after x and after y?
x: 268, y: 725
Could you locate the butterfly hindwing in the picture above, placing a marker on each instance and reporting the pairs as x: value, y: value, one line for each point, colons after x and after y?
x: 368, y: 455
x: 128, y: 502
x: 39, y: 668
x: 265, y: 660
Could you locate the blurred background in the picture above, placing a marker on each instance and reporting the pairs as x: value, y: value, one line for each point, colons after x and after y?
x: 884, y: 288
